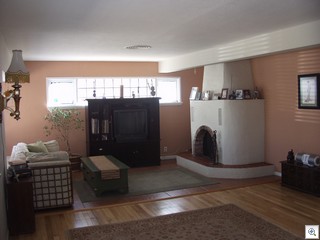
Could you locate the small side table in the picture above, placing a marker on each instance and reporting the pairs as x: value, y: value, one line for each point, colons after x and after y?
x: 75, y: 162
x: 20, y: 211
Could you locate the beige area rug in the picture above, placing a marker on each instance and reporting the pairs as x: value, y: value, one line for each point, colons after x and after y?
x: 217, y: 223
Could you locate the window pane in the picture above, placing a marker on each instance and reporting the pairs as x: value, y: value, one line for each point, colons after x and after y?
x: 82, y: 82
x: 143, y: 83
x: 109, y: 93
x: 126, y: 92
x: 168, y: 90
x: 82, y: 93
x: 116, y: 92
x: 108, y: 82
x: 90, y: 93
x: 134, y: 82
x: 60, y: 92
x: 126, y: 82
x: 116, y: 82
x: 99, y: 82
x: 144, y: 91
x: 91, y: 82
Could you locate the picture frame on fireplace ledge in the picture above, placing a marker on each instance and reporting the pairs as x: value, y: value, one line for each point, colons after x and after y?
x: 309, y: 91
x: 239, y: 94
x: 224, y: 93
x: 246, y: 94
x: 193, y: 94
x: 206, y: 95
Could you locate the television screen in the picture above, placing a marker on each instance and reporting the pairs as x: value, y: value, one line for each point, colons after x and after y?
x: 130, y: 125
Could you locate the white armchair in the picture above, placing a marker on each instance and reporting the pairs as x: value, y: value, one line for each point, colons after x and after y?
x: 51, y: 175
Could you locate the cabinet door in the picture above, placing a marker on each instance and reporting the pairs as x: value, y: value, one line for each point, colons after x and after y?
x: 288, y: 174
x: 307, y: 179
x: 137, y: 154
x: 316, y: 181
x: 299, y: 177
x: 21, y: 217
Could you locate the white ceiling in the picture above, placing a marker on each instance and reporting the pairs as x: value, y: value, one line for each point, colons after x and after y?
x: 101, y: 29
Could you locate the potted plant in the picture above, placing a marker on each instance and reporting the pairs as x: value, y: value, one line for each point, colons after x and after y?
x: 62, y: 122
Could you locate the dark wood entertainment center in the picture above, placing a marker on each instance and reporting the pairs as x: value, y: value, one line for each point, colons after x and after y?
x: 127, y: 128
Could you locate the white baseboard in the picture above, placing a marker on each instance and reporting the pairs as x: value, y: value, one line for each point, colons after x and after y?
x: 277, y: 174
x: 168, y: 157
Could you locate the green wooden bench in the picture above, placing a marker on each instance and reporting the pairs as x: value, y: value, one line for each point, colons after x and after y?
x: 92, y: 175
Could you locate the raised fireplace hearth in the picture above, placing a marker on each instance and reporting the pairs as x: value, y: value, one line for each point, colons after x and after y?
x: 206, y: 167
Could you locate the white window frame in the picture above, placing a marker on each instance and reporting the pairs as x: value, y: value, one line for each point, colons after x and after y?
x: 76, y: 95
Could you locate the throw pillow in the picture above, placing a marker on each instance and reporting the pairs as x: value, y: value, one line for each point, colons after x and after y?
x: 37, y: 147
x: 52, y: 146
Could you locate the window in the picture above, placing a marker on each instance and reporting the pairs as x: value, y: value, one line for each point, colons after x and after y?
x: 61, y: 92
x: 74, y: 91
x: 169, y: 90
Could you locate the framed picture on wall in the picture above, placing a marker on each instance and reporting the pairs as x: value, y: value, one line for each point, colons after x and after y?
x: 309, y: 91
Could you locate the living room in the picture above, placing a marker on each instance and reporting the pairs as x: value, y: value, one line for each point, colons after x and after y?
x: 274, y: 73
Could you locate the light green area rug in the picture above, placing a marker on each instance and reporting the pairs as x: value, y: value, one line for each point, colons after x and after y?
x: 141, y: 183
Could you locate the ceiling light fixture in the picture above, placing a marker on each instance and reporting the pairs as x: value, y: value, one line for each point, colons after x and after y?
x: 133, y: 47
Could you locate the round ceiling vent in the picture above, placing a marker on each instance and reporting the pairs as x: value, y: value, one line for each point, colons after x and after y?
x: 138, y: 47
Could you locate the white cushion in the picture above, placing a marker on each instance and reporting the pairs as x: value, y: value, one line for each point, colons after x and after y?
x: 19, y: 152
x: 13, y: 153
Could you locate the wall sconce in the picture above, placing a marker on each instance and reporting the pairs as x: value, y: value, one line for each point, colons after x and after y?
x: 17, y: 73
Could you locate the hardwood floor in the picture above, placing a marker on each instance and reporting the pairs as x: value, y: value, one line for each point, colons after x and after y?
x: 264, y: 197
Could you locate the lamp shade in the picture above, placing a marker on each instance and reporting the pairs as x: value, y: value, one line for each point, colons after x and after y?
x: 17, y: 72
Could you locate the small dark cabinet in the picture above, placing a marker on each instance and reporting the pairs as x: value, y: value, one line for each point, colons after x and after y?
x: 127, y: 128
x: 20, y: 211
x: 301, y: 177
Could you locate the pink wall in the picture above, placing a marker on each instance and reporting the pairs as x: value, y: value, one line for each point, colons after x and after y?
x: 287, y: 127
x: 174, y: 120
x: 175, y: 128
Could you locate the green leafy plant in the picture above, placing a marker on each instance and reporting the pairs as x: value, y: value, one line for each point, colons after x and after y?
x: 62, y: 122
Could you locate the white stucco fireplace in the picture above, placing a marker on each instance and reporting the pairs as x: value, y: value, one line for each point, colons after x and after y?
x: 238, y: 126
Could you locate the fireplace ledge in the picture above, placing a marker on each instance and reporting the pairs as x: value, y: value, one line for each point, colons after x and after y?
x: 205, y: 167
